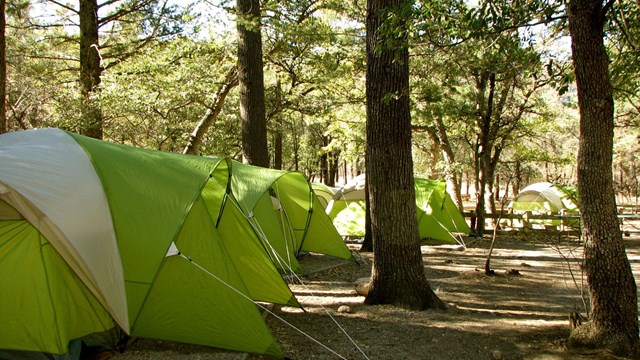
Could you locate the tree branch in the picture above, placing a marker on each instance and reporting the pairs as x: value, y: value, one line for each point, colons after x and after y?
x: 212, y: 112
x: 65, y: 6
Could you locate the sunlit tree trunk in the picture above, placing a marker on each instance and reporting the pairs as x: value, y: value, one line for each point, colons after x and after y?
x: 439, y: 136
x: 484, y: 82
x: 251, y: 84
x: 613, y: 323
x: 211, y: 114
x: 90, y: 70
x: 398, y: 271
x: 492, y: 186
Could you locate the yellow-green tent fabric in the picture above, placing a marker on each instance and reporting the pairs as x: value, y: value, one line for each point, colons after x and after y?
x: 547, y: 198
x: 439, y: 220
x: 95, y: 235
x: 282, y: 206
x: 323, y: 192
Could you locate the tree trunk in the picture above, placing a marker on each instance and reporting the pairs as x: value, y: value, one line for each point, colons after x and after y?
x: 614, y: 323
x: 278, y: 129
x: 367, y: 243
x: 3, y: 67
x: 334, y: 167
x: 251, y: 84
x: 517, y: 178
x: 467, y: 183
x: 496, y: 188
x: 439, y: 135
x: 480, y: 206
x: 296, y: 146
x: 90, y: 70
x: 483, y: 174
x: 454, y: 180
x: 211, y: 114
x: 483, y: 171
x: 324, y: 166
x: 277, y: 144
x: 398, y: 271
x: 492, y: 186
x: 325, y: 158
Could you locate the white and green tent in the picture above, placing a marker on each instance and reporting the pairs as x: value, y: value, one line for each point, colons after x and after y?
x: 544, y: 197
x: 547, y: 198
x: 95, y: 235
x: 439, y: 220
x: 285, y: 211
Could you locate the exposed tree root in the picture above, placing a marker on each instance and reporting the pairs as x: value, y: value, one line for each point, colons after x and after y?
x: 586, y: 337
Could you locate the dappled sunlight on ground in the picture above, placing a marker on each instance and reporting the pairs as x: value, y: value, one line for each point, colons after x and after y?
x: 522, y: 312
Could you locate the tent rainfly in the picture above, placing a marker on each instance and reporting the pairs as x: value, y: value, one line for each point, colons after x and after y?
x: 283, y: 208
x: 438, y: 217
x: 323, y: 192
x: 95, y: 235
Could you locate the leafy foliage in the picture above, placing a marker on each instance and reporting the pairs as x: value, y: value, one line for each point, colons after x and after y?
x: 162, y: 65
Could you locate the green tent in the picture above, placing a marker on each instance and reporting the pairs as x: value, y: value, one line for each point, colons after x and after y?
x: 283, y: 208
x: 547, y: 198
x: 323, y: 192
x: 95, y: 235
x: 439, y: 220
x: 438, y: 216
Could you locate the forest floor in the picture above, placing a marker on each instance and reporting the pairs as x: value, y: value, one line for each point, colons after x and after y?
x: 522, y: 312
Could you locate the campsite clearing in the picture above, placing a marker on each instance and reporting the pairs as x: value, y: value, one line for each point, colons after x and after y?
x: 520, y: 313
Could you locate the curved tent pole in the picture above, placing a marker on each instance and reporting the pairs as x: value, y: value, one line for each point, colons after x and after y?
x: 264, y: 241
x: 44, y: 225
x: 309, y: 212
x: 227, y: 188
x: 285, y: 221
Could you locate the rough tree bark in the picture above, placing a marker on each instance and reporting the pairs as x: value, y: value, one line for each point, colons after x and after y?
x: 614, y: 318
x: 3, y: 68
x: 90, y: 70
x: 277, y: 144
x: 483, y: 153
x: 278, y: 136
x: 251, y: 84
x: 367, y: 244
x: 438, y: 134
x: 398, y: 271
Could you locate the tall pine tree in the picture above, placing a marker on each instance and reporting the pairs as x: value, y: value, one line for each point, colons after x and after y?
x: 398, y: 272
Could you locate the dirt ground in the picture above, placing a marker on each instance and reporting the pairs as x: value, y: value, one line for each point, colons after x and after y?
x: 520, y: 313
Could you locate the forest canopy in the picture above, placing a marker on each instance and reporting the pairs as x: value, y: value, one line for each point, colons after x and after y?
x: 490, y: 84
